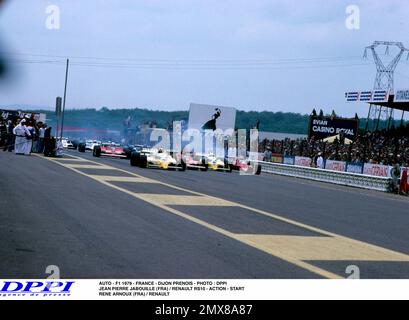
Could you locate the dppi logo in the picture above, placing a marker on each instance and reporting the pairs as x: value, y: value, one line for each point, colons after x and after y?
x: 34, y: 288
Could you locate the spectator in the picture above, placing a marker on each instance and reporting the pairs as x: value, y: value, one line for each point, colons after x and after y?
x: 320, y: 161
x: 3, y: 133
x: 49, y: 142
x: 9, y: 144
x: 40, y: 145
x: 267, y: 155
x: 387, y: 147
x: 21, y: 141
x: 29, y: 137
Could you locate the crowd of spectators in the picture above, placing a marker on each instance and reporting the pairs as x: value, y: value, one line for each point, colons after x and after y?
x: 387, y: 147
x: 25, y: 136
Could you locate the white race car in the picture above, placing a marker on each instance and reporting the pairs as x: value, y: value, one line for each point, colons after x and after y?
x: 91, y: 144
x: 67, y: 144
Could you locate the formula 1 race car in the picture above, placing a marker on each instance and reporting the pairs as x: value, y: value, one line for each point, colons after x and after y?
x: 88, y: 145
x: 245, y: 166
x: 218, y: 164
x: 131, y: 148
x: 195, y: 161
x: 155, y: 158
x: 67, y: 144
x: 205, y: 162
x: 109, y: 149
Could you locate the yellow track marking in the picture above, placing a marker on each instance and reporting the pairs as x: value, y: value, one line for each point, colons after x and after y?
x: 73, y: 159
x: 293, y: 249
x: 122, y: 179
x: 322, y: 248
x: 168, y: 199
x: 87, y: 166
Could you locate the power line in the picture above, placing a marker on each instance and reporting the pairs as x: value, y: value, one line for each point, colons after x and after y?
x: 193, y: 61
x: 169, y: 67
x: 265, y: 65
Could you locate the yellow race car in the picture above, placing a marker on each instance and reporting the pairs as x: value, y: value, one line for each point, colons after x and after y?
x: 217, y: 164
x: 155, y: 158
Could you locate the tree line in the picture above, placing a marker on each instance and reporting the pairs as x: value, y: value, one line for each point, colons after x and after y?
x: 113, y: 119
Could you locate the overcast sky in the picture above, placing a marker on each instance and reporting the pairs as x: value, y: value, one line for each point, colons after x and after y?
x: 204, y: 51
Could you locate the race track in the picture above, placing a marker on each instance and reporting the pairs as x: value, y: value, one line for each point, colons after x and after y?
x: 102, y: 218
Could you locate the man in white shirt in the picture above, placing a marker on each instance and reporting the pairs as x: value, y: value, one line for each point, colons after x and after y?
x: 320, y: 161
x: 20, y: 132
x: 29, y: 138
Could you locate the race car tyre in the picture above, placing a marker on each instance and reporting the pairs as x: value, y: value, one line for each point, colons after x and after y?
x: 182, y: 166
x: 205, y: 166
x: 258, y: 170
x: 97, y: 151
x: 143, y: 163
x: 81, y: 147
x: 227, y: 166
x: 135, y: 159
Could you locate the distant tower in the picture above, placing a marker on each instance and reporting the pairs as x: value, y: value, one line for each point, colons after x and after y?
x: 384, y: 79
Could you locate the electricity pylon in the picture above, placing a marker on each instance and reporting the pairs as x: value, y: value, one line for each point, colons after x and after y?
x: 384, y: 79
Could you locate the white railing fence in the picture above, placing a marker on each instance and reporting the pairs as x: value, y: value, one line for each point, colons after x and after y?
x: 336, y: 177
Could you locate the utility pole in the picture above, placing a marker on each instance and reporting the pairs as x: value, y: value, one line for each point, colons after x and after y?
x: 65, y: 96
x: 58, y: 103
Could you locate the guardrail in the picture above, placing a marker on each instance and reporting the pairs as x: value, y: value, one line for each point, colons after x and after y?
x: 336, y: 177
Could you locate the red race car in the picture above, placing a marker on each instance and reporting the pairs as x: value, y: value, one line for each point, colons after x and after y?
x: 110, y: 150
x: 246, y: 166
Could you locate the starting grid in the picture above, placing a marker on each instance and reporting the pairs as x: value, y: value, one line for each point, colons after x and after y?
x: 298, y: 250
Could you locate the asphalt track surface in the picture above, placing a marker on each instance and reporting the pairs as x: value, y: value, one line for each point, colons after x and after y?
x: 102, y: 218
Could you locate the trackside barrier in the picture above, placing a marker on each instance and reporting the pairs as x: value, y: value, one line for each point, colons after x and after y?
x: 336, y: 177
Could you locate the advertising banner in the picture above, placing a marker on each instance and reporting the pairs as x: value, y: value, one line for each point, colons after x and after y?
x: 288, y: 160
x: 335, y: 165
x: 324, y: 127
x: 208, y: 117
x: 302, y: 161
x: 401, y: 96
x: 9, y: 114
x: 367, y: 96
x: 277, y: 158
x: 352, y: 96
x: 355, y: 167
x: 378, y: 170
x: 16, y: 114
x: 380, y: 96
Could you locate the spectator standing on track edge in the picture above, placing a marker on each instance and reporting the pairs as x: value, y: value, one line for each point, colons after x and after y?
x: 29, y: 138
x: 49, y: 142
x: 40, y: 145
x: 9, y: 143
x: 20, y: 133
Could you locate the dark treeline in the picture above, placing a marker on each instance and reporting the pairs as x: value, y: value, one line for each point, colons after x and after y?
x: 105, y: 118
